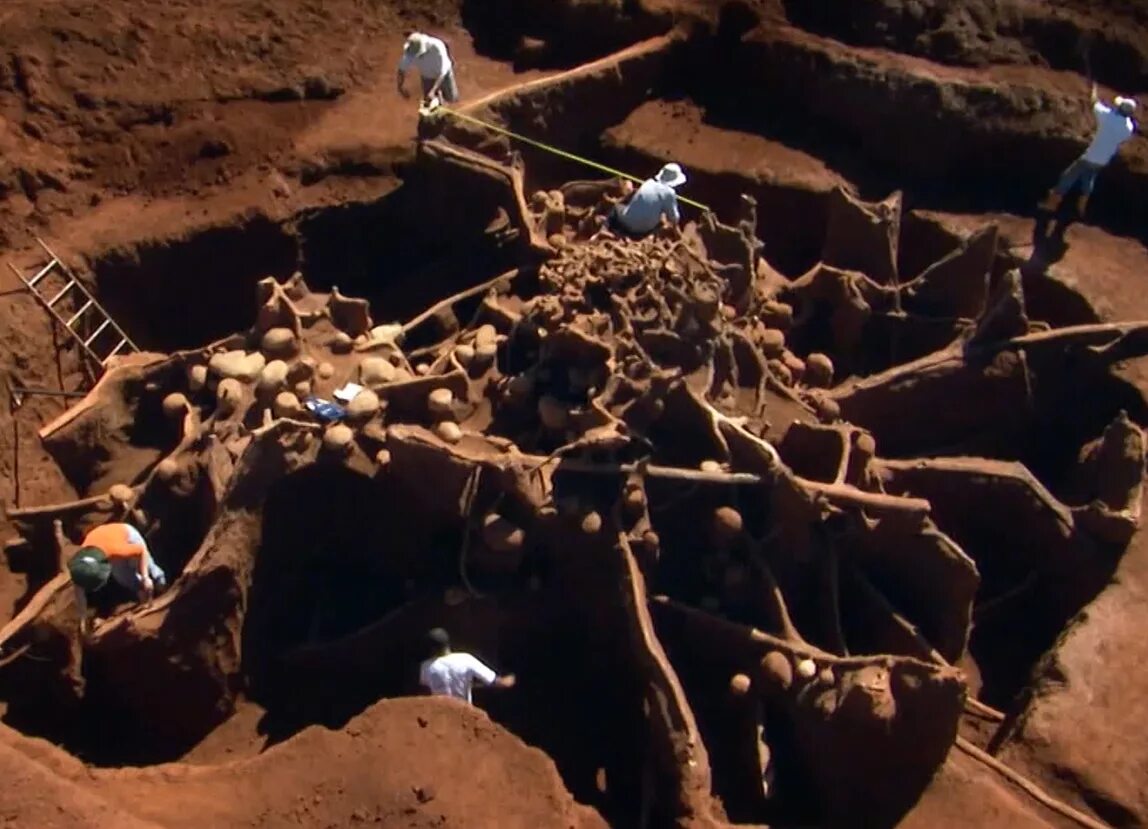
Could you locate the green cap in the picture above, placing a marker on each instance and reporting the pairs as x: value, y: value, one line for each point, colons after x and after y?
x: 90, y: 568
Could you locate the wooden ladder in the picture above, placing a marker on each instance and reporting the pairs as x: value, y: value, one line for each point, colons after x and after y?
x: 100, y: 337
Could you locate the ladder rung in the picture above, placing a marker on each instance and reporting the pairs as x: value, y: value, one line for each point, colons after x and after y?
x: 80, y: 313
x: 60, y: 295
x: 107, y: 321
x: 42, y: 273
x: 115, y: 350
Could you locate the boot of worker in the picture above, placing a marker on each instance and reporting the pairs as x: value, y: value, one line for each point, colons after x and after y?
x: 1081, y: 205
x: 1051, y: 201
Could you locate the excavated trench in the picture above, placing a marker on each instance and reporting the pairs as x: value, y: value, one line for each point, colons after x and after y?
x: 307, y: 572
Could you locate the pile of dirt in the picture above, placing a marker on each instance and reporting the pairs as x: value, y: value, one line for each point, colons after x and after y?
x: 322, y: 778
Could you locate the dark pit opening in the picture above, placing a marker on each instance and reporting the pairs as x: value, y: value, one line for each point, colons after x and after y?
x: 182, y: 293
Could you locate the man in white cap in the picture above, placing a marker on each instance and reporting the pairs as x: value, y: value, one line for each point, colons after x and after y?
x: 656, y: 198
x: 431, y: 58
x: 1114, y: 126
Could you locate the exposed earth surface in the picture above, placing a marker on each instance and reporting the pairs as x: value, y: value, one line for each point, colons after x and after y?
x: 824, y: 509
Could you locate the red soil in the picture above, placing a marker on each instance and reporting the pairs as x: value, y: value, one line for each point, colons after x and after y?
x: 400, y: 763
x: 131, y: 120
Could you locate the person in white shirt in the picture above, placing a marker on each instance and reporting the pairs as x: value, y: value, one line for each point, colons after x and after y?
x: 431, y: 58
x: 656, y: 198
x: 452, y: 674
x: 1114, y: 126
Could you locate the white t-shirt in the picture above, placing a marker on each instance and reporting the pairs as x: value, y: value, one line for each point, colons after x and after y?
x: 432, y: 64
x: 453, y: 675
x: 1112, y: 130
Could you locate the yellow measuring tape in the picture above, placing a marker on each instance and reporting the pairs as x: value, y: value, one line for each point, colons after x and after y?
x: 579, y: 159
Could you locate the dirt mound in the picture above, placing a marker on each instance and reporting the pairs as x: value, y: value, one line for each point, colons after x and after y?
x: 341, y: 778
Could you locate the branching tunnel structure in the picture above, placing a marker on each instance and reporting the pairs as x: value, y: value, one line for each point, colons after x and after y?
x: 735, y: 523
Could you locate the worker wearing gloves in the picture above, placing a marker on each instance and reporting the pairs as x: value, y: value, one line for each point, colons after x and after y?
x: 431, y: 58
x: 452, y: 674
x: 656, y: 198
x: 1114, y: 126
x: 113, y: 551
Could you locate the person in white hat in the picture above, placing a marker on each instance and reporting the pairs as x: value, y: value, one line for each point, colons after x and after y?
x: 1114, y: 126
x: 431, y: 58
x: 656, y: 198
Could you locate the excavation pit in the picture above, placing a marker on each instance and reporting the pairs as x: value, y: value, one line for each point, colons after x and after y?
x: 627, y: 472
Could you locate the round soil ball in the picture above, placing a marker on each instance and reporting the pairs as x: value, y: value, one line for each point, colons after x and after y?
x: 777, y: 670
x: 828, y: 410
x: 286, y: 405
x: 781, y: 372
x: 484, y: 354
x: 794, y: 363
x: 727, y: 523
x: 376, y: 371
x: 485, y: 334
x: 818, y: 370
x: 383, y: 457
x: 591, y: 523
x: 739, y: 684
x: 338, y: 438
x: 197, y: 377
x: 175, y: 405
x: 228, y: 395
x: 635, y: 500
x: 325, y: 371
x: 865, y: 445
x: 806, y: 668
x: 278, y: 342
x: 167, y: 470
x: 273, y: 377
x: 121, y: 493
x: 710, y: 466
x: 464, y: 354
x: 440, y: 402
x: 448, y: 431
x: 772, y: 342
x: 341, y: 343
x: 363, y: 406
x: 501, y: 535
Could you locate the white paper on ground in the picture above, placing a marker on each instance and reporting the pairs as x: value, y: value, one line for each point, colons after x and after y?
x: 348, y: 392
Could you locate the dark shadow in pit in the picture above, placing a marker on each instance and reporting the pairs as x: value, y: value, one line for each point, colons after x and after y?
x: 353, y: 571
x: 177, y: 294
x: 409, y: 249
x: 693, y: 569
x: 557, y: 34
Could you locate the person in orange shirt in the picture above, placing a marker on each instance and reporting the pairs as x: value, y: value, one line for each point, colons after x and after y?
x: 113, y: 551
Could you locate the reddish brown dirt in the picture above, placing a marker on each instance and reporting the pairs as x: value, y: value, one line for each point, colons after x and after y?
x: 137, y: 120
x: 391, y: 766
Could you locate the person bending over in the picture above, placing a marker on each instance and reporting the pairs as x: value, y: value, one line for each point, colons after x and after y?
x: 115, y: 551
x: 431, y: 58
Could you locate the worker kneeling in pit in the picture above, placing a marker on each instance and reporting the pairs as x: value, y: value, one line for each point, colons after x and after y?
x: 116, y: 551
x: 654, y: 200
